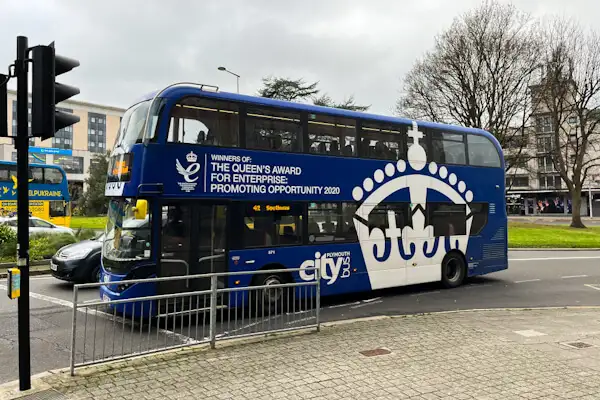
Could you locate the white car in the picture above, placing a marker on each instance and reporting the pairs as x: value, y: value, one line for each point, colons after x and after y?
x: 38, y: 225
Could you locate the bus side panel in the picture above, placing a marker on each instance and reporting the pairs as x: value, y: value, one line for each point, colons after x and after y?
x: 342, y: 266
x: 487, y: 251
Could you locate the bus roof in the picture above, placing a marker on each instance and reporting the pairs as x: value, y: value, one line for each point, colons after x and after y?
x: 177, y: 91
x: 58, y: 167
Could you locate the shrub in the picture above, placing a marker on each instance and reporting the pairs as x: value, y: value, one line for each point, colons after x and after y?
x: 8, y: 242
x: 44, y: 246
x: 7, y: 234
x: 40, y: 248
x: 60, y: 240
x: 85, y: 234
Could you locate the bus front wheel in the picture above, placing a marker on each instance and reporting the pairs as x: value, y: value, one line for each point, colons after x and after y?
x: 454, y: 270
x: 271, y: 300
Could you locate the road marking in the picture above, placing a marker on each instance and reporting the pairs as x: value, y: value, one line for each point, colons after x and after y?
x: 529, y: 333
x: 299, y: 320
x: 573, y: 276
x: 425, y: 293
x: 528, y: 280
x: 476, y: 285
x: 370, y: 300
x: 555, y: 258
x: 593, y: 286
x: 85, y: 310
x: 344, y: 305
x: 367, y: 304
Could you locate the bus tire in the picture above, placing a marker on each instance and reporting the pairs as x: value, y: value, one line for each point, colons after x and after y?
x: 454, y: 270
x: 271, y: 301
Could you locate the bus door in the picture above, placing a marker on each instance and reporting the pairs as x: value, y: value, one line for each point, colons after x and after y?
x: 193, y: 241
x: 211, y: 234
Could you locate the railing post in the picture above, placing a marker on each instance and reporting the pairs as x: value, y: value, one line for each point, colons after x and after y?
x: 318, y: 278
x: 213, y: 310
x: 74, y: 330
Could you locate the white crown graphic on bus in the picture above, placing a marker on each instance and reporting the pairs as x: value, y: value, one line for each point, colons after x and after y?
x: 386, y: 250
x: 191, y: 157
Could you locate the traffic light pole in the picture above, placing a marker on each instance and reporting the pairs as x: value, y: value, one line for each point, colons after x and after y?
x: 22, y: 146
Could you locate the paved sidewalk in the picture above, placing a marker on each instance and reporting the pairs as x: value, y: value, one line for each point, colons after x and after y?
x: 465, y: 355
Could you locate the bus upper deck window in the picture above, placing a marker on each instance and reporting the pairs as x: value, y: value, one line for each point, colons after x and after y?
x: 333, y: 136
x: 273, y: 130
x: 196, y: 120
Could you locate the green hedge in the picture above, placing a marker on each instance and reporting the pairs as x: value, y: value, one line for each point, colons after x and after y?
x: 41, y: 245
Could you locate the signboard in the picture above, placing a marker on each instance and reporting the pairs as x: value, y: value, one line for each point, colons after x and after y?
x: 13, y: 283
x: 50, y: 150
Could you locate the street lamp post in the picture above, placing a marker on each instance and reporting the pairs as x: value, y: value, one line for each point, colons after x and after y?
x: 234, y: 74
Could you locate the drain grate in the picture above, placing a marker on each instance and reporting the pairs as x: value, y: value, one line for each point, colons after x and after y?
x: 49, y: 394
x: 374, y: 352
x: 577, y: 345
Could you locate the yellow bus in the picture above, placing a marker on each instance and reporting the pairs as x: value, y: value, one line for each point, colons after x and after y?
x: 48, y: 192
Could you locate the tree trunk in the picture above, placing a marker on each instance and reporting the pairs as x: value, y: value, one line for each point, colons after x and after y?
x: 576, y: 210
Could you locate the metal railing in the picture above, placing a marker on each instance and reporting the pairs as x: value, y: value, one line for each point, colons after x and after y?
x: 205, y: 312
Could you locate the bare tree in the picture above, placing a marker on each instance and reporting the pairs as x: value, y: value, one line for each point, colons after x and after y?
x: 478, y: 75
x: 569, y: 102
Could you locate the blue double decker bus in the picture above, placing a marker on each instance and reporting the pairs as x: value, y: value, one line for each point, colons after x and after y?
x: 204, y: 181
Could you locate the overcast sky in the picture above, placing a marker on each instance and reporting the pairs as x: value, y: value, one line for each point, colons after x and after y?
x: 129, y: 47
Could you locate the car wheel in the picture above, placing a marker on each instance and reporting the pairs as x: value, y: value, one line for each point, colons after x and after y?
x: 95, y: 275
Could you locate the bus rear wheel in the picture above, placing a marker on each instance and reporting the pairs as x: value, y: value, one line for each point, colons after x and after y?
x: 271, y: 300
x: 454, y: 270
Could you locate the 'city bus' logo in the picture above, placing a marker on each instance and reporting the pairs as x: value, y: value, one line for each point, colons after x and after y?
x: 190, y: 173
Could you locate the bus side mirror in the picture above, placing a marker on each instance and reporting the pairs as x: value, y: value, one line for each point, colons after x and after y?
x: 141, y: 209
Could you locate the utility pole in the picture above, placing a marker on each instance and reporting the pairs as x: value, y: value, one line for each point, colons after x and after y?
x: 22, y: 146
x: 46, y: 120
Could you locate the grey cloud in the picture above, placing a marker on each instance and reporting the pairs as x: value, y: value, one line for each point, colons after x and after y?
x: 127, y: 48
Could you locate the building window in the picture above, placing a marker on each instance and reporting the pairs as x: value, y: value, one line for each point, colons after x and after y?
x: 550, y: 182
x: 96, y: 133
x: 70, y: 164
x: 545, y: 144
x: 517, y: 181
x: 14, y: 122
x: 63, y: 139
x: 545, y: 164
x: 544, y: 124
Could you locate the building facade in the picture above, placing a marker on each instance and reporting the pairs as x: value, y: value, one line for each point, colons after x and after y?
x: 74, y: 147
x: 534, y: 185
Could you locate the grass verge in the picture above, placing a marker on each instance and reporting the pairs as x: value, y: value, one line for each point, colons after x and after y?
x: 522, y: 235
x: 97, y: 223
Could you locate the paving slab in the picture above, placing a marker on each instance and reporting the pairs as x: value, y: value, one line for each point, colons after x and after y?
x: 494, y: 354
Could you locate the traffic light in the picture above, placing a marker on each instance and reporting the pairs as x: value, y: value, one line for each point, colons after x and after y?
x: 46, y: 92
x: 3, y: 106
